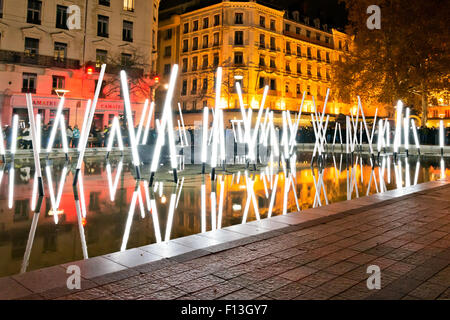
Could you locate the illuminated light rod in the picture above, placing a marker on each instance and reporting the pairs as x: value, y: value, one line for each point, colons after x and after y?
x: 59, y: 122
x: 204, y: 138
x: 115, y: 131
x: 166, y: 122
x: 416, y: 139
x: 36, y: 144
x: 295, y: 128
x: 218, y: 117
x: 182, y: 125
x: 441, y: 136
x: 398, y: 126
x: 381, y: 141
x: 2, y: 144
x: 406, y: 131
x: 89, y: 119
x: 15, y: 128
x: 131, y: 133
x: 55, y: 201
x: 365, y: 126
x: 149, y: 120
x: 80, y: 218
x: 141, y: 122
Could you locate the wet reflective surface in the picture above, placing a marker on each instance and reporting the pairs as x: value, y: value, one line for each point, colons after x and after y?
x: 110, y: 211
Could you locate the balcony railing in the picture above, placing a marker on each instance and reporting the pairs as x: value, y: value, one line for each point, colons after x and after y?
x: 308, y: 39
x: 16, y: 57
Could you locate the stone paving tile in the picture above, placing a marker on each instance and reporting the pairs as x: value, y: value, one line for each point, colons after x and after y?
x: 298, y: 273
x: 337, y: 285
x: 141, y: 291
x: 316, y: 279
x: 198, y: 284
x: 289, y: 291
x: 341, y: 268
x: 445, y: 295
x: 89, y: 294
x: 428, y: 291
x: 315, y: 294
x: 11, y: 289
x: 167, y: 294
x: 268, y: 285
x: 218, y: 290
x: 242, y: 294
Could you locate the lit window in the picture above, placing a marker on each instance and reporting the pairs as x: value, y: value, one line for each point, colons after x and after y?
x: 128, y: 5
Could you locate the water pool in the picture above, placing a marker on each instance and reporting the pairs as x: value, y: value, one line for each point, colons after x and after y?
x: 116, y: 212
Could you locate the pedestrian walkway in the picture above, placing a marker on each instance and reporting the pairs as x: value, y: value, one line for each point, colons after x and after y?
x: 407, y: 237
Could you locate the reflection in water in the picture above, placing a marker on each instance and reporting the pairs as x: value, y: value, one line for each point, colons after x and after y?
x: 55, y: 201
x: 99, y: 216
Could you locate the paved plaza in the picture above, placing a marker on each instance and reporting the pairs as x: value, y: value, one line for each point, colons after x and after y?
x: 406, y: 234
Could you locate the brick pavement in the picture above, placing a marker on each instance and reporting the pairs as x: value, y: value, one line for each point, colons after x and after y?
x: 408, y: 238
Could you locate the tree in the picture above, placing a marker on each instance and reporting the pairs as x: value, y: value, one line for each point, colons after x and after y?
x: 406, y: 59
x: 139, y: 83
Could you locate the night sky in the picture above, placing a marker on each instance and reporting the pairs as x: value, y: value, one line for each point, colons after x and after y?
x: 328, y: 11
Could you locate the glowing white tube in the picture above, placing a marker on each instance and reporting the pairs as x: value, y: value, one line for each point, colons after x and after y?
x: 179, y: 192
x: 441, y: 134
x: 115, y: 131
x: 443, y: 175
x: 141, y: 121
x: 414, y: 130
x: 407, y: 175
x: 222, y: 137
x: 406, y: 129
x: 213, y: 211
x: 416, y: 174
x: 35, y: 190
x: 126, y: 234
x: 113, y: 185
x: 221, y: 198
x: 347, y: 134
x: 217, y: 118
x: 26, y: 256
x: 398, y: 126
x: 64, y: 135
x: 38, y: 133
x: 155, y: 221
x: 170, y: 217
x: 82, y: 200
x: 36, y: 141
x: 203, y: 210
x: 131, y: 134
x: 380, y: 141
x: 81, y: 230
x: 365, y: 125
x: 2, y: 142
x: 252, y: 156
x: 56, y: 123
x: 85, y: 120
x: 15, y: 128
x: 374, y: 125
x: 205, y: 134
x: 272, y: 198
x: 147, y: 126
x: 182, y: 124
x: 388, y: 133
x: 11, y: 187
x: 84, y: 138
x: 166, y: 121
x: 180, y: 134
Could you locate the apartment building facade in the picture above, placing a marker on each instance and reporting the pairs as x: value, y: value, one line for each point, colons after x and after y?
x: 40, y: 53
x: 256, y: 45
